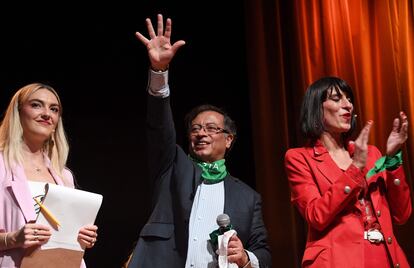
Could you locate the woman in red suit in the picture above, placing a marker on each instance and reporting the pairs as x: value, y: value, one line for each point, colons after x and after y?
x: 346, y: 191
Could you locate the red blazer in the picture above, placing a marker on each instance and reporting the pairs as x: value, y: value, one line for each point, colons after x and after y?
x: 327, y: 198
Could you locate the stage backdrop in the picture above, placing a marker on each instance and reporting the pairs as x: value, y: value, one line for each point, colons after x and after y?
x: 292, y: 43
x: 91, y: 56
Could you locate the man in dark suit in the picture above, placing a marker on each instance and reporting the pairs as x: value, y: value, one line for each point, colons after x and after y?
x: 191, y: 190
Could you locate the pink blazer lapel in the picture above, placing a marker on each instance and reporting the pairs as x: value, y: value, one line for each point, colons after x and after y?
x: 57, y: 179
x: 22, y: 193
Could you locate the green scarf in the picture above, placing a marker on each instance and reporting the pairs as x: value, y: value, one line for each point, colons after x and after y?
x: 212, y: 172
x: 386, y: 162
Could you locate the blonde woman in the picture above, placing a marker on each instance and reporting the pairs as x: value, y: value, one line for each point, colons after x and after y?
x: 33, y: 152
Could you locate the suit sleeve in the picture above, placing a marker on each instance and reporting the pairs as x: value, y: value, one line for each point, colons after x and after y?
x: 320, y: 209
x: 161, y: 136
x: 398, y: 195
x: 258, y: 240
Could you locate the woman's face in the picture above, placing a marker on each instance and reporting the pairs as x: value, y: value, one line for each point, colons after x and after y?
x: 337, y: 112
x: 39, y: 115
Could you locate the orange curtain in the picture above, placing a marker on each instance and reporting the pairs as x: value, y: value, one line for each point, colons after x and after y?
x: 370, y: 44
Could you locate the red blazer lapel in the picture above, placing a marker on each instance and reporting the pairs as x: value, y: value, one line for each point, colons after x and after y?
x: 325, y: 164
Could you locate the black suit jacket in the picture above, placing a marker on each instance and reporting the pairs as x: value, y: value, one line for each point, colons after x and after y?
x: 163, y: 240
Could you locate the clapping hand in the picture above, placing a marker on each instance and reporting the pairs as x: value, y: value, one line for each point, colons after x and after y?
x: 361, y: 146
x: 398, y: 134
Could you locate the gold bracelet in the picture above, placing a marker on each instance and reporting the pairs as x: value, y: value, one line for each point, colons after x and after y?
x: 5, y: 240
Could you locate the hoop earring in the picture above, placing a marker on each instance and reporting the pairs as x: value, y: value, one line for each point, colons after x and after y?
x: 51, y: 144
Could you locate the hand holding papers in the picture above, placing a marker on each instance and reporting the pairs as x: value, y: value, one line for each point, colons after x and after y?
x: 65, y: 211
x: 74, y: 209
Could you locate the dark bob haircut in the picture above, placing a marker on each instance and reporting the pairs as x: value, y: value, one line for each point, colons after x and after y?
x: 229, y: 124
x: 311, y: 114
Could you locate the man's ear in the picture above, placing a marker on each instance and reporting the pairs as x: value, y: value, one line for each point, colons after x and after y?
x: 229, y: 140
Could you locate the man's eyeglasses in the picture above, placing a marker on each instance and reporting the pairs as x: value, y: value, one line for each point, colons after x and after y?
x: 209, y: 128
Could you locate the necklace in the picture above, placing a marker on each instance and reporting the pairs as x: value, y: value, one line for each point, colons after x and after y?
x: 34, y: 161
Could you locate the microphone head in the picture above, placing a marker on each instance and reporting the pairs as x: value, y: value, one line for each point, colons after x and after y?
x: 223, y: 220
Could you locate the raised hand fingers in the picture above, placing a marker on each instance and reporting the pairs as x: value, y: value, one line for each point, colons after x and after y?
x: 177, y: 45
x: 150, y: 28
x: 168, y: 28
x: 160, y: 25
x: 142, y: 38
x: 160, y: 29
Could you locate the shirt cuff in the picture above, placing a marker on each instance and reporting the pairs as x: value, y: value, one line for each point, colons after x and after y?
x: 254, y: 262
x: 357, y: 175
x: 158, y: 84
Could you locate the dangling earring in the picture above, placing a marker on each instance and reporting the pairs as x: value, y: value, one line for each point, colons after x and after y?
x: 51, y: 144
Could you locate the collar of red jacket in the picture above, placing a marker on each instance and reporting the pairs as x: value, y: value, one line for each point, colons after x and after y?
x: 319, y: 149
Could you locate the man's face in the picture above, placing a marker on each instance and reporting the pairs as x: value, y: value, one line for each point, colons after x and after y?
x: 206, y: 144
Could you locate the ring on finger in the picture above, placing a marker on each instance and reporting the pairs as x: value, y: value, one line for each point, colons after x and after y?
x: 35, y: 231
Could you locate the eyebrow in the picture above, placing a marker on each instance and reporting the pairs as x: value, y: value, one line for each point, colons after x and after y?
x: 43, y: 103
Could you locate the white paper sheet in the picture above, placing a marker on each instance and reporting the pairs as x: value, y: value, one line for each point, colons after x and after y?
x: 73, y: 209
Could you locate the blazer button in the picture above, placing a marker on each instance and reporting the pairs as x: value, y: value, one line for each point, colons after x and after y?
x: 389, y: 240
x: 347, y: 189
x: 397, y: 265
x: 378, y: 213
x: 397, y: 182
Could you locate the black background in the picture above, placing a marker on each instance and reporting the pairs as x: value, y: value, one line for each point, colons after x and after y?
x: 91, y: 56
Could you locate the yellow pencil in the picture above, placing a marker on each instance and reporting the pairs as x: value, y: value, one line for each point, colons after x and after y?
x: 47, y: 213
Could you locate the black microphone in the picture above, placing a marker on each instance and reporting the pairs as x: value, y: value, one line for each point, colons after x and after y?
x: 223, y: 221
